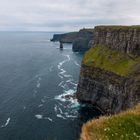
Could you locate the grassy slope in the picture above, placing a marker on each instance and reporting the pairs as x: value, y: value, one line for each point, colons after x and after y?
x: 116, y: 27
x: 110, y: 60
x: 124, y: 126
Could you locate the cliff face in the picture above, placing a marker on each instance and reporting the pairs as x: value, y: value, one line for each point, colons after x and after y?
x: 65, y: 38
x: 81, y: 41
x: 125, y: 39
x: 110, y: 74
x: 108, y: 91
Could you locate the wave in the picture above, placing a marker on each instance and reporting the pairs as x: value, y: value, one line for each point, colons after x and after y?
x: 60, y: 116
x: 48, y: 118
x: 76, y: 63
x: 62, y: 71
x: 39, y: 116
x: 7, y: 122
x: 40, y: 105
x: 38, y: 85
x: 42, y: 100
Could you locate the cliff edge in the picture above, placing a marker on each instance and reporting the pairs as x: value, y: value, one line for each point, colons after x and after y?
x: 110, y: 72
x: 124, y: 126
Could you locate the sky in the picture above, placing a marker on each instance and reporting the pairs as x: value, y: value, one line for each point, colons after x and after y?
x: 66, y: 15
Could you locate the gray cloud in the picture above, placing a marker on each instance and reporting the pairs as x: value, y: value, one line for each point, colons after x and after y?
x: 64, y: 15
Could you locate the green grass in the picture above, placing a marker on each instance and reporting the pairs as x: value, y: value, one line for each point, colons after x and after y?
x: 124, y: 126
x: 118, y: 27
x: 111, y: 60
x: 87, y: 30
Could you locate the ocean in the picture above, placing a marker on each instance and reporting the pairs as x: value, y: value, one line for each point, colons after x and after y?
x: 35, y: 76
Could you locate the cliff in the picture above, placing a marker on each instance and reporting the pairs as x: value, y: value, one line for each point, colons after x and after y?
x: 122, y: 38
x: 110, y: 73
x: 84, y: 40
x: 124, y: 126
x: 65, y: 38
x: 81, y: 41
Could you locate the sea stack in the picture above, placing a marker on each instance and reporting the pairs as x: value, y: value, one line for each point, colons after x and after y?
x: 61, y: 45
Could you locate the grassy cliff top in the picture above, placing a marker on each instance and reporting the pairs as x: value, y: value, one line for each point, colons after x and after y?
x: 124, y: 126
x: 118, y: 27
x: 87, y: 30
x: 110, y: 60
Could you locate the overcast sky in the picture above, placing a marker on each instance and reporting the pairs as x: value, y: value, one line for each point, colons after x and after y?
x: 66, y: 15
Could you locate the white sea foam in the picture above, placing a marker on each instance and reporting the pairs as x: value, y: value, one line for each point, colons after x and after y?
x: 38, y: 85
x: 77, y: 64
x: 40, y: 105
x: 62, y: 71
x: 68, y: 57
x: 60, y: 116
x: 61, y: 83
x: 60, y: 76
x: 71, y: 116
x: 7, y: 122
x: 42, y: 100
x: 55, y: 108
x: 38, y: 82
x: 60, y: 110
x: 49, y: 119
x: 67, y: 76
x: 66, y: 93
x: 39, y: 116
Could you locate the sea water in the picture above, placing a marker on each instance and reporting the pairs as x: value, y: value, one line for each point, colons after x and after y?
x: 35, y: 76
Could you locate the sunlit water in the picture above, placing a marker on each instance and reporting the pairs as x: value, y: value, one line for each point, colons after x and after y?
x: 34, y: 77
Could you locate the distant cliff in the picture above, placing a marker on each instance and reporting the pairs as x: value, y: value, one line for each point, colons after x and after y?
x: 81, y: 41
x: 110, y: 72
x: 65, y: 38
x: 84, y: 40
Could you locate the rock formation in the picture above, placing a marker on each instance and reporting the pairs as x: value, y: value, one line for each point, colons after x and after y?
x: 110, y: 72
x: 125, y: 39
x: 81, y: 41
x: 65, y: 38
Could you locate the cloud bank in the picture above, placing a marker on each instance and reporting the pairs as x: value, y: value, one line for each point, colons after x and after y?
x: 66, y: 15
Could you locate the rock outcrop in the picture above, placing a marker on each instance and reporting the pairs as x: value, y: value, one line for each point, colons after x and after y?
x: 122, y: 38
x: 110, y: 72
x: 65, y: 38
x: 81, y: 41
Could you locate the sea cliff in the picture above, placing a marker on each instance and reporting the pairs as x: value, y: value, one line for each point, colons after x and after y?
x: 65, y: 38
x: 110, y: 72
x: 81, y: 41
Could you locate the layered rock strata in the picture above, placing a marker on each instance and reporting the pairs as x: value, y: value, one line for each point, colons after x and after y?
x: 110, y: 72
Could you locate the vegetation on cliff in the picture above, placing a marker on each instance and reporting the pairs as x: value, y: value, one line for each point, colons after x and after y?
x: 111, y: 60
x: 124, y: 126
x: 116, y: 27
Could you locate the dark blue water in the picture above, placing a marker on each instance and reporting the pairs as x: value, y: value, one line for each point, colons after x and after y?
x: 34, y: 76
